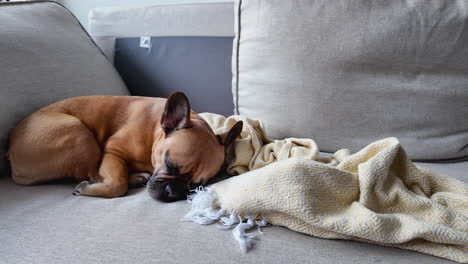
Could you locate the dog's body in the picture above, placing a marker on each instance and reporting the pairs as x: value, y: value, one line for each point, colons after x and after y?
x: 102, y: 138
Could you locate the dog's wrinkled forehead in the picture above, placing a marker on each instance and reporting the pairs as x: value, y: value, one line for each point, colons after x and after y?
x: 194, y: 150
x: 169, y: 167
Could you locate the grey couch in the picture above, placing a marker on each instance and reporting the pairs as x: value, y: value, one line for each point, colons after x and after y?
x: 45, y: 56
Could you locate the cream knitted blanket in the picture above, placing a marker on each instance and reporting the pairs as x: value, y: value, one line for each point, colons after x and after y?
x: 376, y: 195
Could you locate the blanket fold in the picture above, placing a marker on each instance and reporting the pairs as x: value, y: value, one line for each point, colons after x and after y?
x: 376, y: 195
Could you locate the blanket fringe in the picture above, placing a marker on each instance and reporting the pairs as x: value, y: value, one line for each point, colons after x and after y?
x: 206, y: 210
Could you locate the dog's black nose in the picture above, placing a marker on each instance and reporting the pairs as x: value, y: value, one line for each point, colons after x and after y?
x: 167, y: 190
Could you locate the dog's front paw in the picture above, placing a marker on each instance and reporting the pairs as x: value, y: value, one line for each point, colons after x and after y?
x: 138, y: 179
x: 80, y: 187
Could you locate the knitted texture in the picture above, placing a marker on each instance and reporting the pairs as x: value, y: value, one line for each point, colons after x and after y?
x: 376, y: 195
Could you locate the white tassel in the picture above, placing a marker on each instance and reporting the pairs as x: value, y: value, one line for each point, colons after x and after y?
x: 205, y: 218
x: 206, y: 210
x: 262, y: 223
x: 203, y: 212
x: 244, y: 239
x: 229, y: 222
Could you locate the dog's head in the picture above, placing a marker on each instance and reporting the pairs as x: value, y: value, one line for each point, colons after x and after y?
x: 188, y: 153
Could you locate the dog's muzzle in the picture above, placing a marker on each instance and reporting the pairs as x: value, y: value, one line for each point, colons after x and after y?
x: 166, y: 188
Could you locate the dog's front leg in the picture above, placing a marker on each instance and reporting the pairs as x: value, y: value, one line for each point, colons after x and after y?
x: 113, y: 174
x: 138, y: 179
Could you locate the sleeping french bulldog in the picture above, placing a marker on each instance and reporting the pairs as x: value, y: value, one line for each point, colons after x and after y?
x: 98, y: 140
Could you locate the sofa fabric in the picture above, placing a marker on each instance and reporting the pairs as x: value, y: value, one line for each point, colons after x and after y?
x: 46, y: 56
x: 47, y: 224
x: 347, y: 73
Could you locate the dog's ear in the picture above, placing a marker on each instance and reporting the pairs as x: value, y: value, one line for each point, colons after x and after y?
x: 228, y: 139
x: 176, y: 113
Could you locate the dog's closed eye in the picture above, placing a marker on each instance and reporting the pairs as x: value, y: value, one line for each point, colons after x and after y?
x: 171, y: 167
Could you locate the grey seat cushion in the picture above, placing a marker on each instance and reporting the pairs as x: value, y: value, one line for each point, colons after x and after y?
x: 46, y: 56
x: 46, y: 224
x: 349, y: 72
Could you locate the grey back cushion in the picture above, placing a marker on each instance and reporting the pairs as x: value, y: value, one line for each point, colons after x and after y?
x: 348, y: 72
x: 46, y: 56
x: 198, y: 66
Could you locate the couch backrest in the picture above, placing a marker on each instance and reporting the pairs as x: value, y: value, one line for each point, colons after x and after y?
x: 46, y: 56
x: 349, y: 72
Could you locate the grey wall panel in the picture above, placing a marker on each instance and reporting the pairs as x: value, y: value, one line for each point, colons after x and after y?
x: 197, y: 66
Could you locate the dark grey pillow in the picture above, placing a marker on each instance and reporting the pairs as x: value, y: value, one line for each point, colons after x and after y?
x: 46, y: 56
x: 349, y: 72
